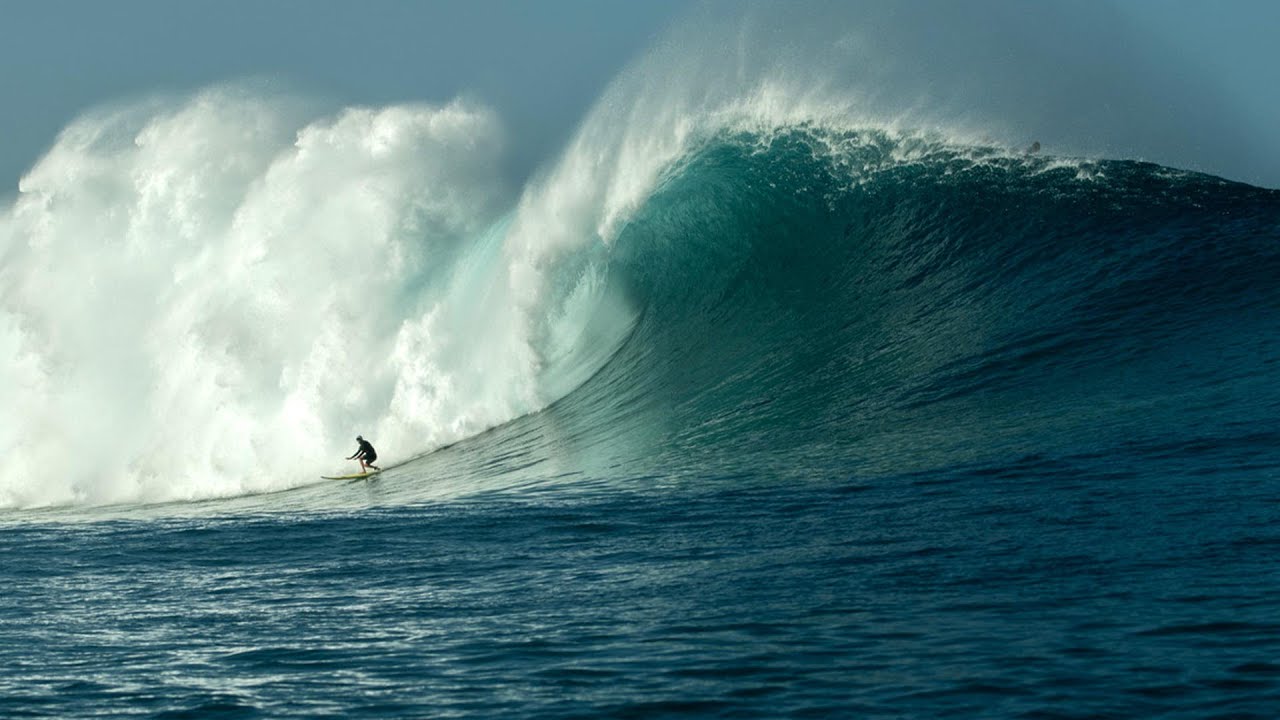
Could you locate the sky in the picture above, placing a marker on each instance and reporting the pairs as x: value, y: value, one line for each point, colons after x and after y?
x: 541, y: 64
x: 1236, y: 44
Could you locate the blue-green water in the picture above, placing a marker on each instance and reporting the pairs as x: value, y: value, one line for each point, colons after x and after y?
x: 963, y: 436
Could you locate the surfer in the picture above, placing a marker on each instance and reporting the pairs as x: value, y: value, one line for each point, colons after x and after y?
x: 365, y: 454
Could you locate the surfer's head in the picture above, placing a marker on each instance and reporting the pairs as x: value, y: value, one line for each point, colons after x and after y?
x: 358, y: 438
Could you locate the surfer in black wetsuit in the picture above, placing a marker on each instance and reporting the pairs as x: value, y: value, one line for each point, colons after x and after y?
x: 366, y: 455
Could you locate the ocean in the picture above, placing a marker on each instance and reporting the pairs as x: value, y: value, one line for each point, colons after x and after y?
x: 782, y: 419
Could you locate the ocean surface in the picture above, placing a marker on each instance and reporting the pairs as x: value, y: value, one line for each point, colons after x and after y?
x: 788, y: 419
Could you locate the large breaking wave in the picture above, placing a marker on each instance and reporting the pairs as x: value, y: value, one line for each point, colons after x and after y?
x: 734, y: 261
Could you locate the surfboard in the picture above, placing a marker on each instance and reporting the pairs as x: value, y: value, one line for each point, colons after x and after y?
x: 350, y: 477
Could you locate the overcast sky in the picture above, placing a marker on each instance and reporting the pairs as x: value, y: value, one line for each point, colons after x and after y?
x: 540, y: 63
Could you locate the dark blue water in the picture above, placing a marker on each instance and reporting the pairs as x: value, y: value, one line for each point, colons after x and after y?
x: 967, y: 435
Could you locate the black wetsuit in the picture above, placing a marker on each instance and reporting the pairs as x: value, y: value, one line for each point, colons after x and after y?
x: 367, y: 452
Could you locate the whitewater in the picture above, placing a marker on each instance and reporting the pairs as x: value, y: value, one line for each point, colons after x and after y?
x: 771, y: 394
x: 204, y: 298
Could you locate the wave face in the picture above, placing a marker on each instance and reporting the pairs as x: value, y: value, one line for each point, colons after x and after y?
x: 821, y: 302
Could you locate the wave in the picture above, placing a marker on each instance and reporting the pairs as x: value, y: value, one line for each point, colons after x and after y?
x: 818, y: 299
x: 210, y: 296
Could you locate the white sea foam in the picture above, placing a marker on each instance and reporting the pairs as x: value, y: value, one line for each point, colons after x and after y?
x: 212, y: 296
